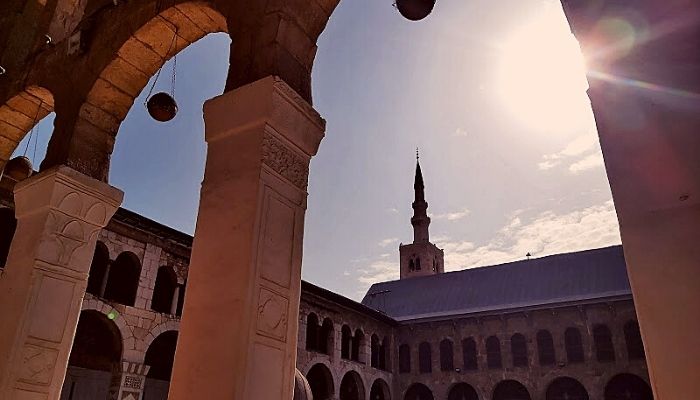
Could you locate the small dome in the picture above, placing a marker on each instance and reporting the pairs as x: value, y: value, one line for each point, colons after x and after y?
x: 18, y: 169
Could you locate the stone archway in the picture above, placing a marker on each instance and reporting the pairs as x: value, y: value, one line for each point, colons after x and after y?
x: 351, y: 387
x: 320, y: 380
x: 510, y: 390
x: 566, y: 388
x: 159, y: 357
x: 627, y: 387
x: 97, y: 348
x: 419, y: 391
x: 380, y: 390
x: 462, y: 391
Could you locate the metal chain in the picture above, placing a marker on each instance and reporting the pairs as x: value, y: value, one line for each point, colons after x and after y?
x: 153, y: 85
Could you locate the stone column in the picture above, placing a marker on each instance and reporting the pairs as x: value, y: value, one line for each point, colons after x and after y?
x: 128, y: 381
x: 238, y: 334
x: 105, y: 279
x: 174, y: 301
x: 60, y: 213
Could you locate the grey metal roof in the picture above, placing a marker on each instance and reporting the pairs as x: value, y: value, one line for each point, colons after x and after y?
x: 561, y: 278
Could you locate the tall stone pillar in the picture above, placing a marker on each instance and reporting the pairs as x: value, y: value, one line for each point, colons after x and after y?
x: 128, y: 381
x: 238, y: 334
x: 59, y: 214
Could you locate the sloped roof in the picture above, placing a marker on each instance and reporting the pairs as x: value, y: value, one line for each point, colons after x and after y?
x: 561, y: 278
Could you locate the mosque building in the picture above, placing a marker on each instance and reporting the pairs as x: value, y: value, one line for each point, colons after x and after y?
x: 561, y: 327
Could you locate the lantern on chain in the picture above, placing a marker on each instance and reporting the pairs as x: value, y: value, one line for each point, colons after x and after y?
x: 162, y: 106
x: 415, y: 10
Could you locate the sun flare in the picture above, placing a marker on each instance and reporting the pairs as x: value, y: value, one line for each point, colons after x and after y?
x: 541, y: 73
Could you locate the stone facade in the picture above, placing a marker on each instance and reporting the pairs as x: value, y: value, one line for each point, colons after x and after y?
x: 345, y: 349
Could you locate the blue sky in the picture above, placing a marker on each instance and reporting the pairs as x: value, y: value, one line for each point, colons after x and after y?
x: 491, y: 91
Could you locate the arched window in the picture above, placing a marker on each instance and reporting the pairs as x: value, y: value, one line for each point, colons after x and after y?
x: 99, y: 268
x: 469, y: 354
x: 545, y: 348
x: 518, y: 349
x: 493, y: 353
x: 8, y: 225
x: 404, y: 358
x: 164, y: 291
x: 325, y: 337
x: 604, y: 349
x: 311, y: 332
x: 374, y: 349
x: 446, y: 355
x: 425, y: 358
x: 345, y: 342
x: 573, y: 345
x: 633, y: 339
x: 358, y: 342
x: 123, y: 280
x: 417, y: 263
x: 411, y: 265
x: 384, y: 354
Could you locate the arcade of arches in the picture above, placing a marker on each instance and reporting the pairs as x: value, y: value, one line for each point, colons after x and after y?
x: 91, y: 73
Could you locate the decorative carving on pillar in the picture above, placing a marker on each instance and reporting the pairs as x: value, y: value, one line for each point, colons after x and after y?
x: 272, y: 314
x: 285, y: 162
x: 59, y: 215
x: 128, y: 381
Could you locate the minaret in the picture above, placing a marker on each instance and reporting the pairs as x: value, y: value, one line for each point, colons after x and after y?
x: 421, y: 257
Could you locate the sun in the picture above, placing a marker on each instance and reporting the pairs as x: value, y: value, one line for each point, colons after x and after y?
x: 540, y: 76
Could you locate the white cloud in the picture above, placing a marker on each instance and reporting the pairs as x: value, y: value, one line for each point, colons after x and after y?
x: 581, y: 154
x: 545, y: 234
x: 452, y: 216
x: 460, y: 132
x: 387, y: 242
x: 594, y: 160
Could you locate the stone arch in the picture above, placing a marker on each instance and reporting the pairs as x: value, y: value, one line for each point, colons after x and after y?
x: 171, y: 325
x: 302, y: 390
x: 633, y: 341
x: 326, y: 336
x: 510, y: 390
x: 321, y: 382
x: 97, y: 347
x: 8, y: 225
x: 17, y: 117
x: 160, y: 355
x: 312, y: 331
x: 137, y: 55
x: 565, y: 388
x: 123, y: 280
x: 627, y: 387
x: 95, y: 304
x: 99, y: 268
x: 374, y: 351
x: 462, y: 391
x: 352, y: 387
x: 380, y: 390
x: 358, y: 342
x: 446, y: 355
x: 164, y: 290
x: 98, y: 342
x: 418, y: 391
x: 345, y: 342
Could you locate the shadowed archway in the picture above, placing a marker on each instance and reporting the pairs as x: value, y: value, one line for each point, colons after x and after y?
x: 566, y: 388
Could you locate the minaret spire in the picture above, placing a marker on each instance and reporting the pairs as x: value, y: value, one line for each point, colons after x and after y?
x: 421, y: 257
x: 420, y: 219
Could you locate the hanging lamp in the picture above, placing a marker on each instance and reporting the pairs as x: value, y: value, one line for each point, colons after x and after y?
x: 415, y: 10
x: 162, y: 106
